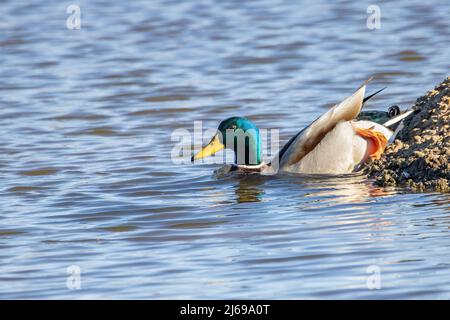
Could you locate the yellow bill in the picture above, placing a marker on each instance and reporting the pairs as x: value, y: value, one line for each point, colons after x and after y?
x: 213, y: 146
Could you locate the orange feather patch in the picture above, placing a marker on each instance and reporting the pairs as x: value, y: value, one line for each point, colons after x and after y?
x: 377, y: 138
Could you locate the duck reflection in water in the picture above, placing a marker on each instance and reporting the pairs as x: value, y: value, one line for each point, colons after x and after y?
x: 343, y: 189
x: 249, y: 188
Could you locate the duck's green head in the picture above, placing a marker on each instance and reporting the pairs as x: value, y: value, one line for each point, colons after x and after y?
x: 379, y: 117
x: 238, y: 134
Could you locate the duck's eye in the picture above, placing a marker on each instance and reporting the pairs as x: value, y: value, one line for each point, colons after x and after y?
x: 393, y: 111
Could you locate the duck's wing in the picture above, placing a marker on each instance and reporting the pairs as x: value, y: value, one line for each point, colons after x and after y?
x: 308, y: 138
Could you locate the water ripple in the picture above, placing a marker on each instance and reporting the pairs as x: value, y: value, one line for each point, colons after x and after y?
x: 86, y: 120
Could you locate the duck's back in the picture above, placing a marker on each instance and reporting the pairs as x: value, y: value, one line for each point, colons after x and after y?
x: 339, y: 152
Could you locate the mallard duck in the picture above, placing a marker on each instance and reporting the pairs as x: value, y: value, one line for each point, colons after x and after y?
x: 335, y: 143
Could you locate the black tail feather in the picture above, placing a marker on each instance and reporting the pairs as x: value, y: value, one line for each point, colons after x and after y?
x: 373, y: 94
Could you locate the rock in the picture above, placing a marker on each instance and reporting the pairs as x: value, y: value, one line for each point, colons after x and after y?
x: 418, y: 158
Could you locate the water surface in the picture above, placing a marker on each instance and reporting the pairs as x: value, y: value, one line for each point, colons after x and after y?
x: 86, y: 118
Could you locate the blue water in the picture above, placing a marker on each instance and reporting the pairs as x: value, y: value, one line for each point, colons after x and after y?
x: 87, y: 180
